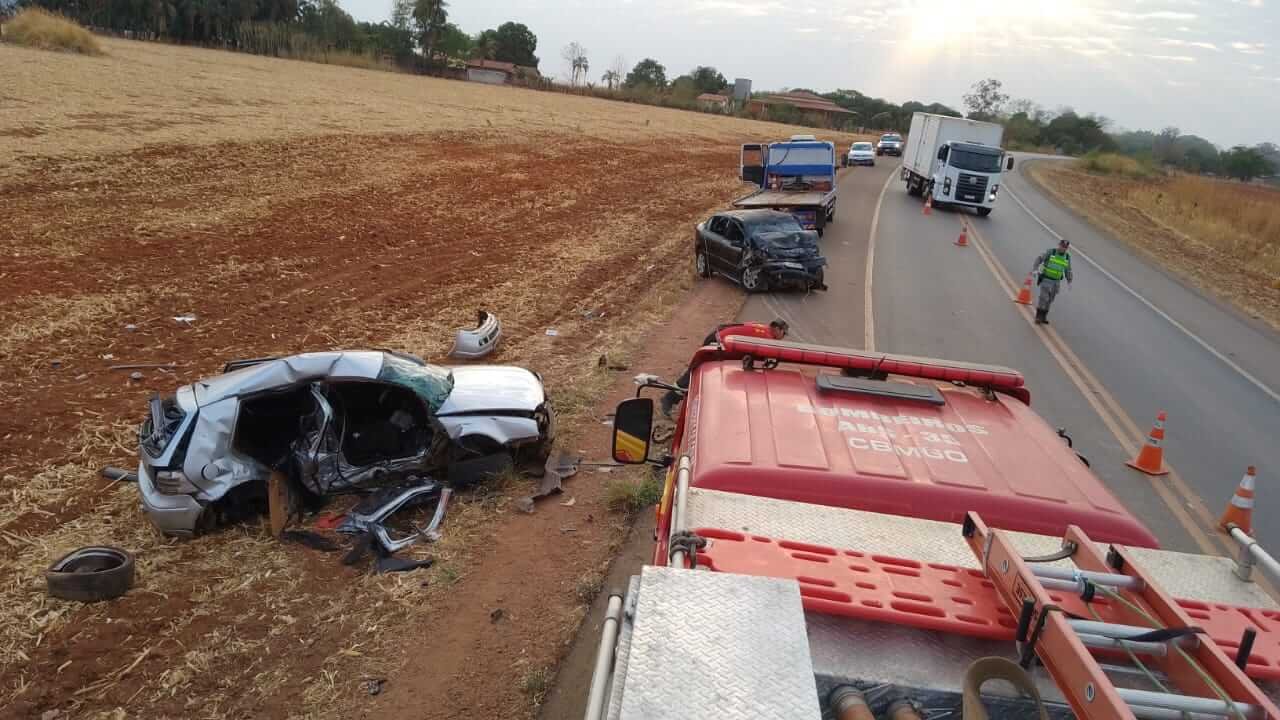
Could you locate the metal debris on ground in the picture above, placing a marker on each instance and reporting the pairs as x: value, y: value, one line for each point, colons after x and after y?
x: 552, y: 332
x: 388, y: 564
x: 373, y: 686
x: 116, y: 474
x: 496, y: 614
x: 558, y: 468
x: 136, y: 375
x: 184, y: 319
x: 141, y: 366
x: 570, y: 502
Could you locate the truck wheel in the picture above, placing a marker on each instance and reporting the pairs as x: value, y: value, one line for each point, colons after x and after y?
x: 819, y: 280
x: 913, y: 188
x: 701, y: 265
x: 983, y: 212
x: 754, y: 281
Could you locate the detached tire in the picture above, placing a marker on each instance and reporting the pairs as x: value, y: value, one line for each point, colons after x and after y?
x: 91, y: 574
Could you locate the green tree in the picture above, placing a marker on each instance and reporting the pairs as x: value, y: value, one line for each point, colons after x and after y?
x: 512, y: 42
x: 1245, y: 163
x: 454, y: 42
x: 708, y: 79
x: 985, y: 101
x: 430, y: 17
x: 647, y: 73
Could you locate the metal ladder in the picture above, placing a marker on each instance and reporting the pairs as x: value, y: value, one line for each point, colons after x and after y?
x: 1138, y: 619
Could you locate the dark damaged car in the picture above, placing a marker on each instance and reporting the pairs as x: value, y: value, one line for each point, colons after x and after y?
x: 336, y: 422
x: 760, y: 250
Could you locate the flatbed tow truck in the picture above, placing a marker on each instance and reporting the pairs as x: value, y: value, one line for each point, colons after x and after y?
x: 848, y: 534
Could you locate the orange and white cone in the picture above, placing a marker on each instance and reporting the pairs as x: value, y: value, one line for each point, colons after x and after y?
x: 1024, y: 295
x: 928, y: 205
x: 963, y: 240
x: 1150, y: 458
x: 1240, y: 509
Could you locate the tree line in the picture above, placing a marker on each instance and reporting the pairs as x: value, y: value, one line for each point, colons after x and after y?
x: 1029, y: 126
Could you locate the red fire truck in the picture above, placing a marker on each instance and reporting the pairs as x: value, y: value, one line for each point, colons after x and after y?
x: 848, y: 534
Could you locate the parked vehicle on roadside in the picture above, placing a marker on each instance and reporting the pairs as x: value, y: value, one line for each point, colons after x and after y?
x: 796, y: 176
x: 760, y: 250
x: 861, y: 153
x: 955, y: 161
x: 341, y: 421
x: 890, y: 144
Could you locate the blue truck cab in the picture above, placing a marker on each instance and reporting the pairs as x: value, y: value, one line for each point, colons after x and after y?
x: 797, y: 176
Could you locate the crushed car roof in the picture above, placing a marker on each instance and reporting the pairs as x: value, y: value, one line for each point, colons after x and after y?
x: 430, y: 382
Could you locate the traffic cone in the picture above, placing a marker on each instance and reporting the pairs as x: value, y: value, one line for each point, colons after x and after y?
x: 1150, y: 458
x: 1024, y: 295
x: 928, y: 205
x: 963, y: 240
x: 1240, y: 509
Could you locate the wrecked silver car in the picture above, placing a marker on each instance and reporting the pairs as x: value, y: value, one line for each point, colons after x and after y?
x: 335, y: 422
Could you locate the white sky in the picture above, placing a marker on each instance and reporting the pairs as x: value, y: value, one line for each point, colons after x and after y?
x: 1209, y: 67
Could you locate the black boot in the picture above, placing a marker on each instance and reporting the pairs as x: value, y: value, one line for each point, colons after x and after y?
x: 1041, y: 316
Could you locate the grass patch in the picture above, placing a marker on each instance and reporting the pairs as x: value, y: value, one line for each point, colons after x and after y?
x: 628, y: 496
x: 1114, y: 164
x: 588, y: 586
x: 535, y: 683
x: 43, y: 30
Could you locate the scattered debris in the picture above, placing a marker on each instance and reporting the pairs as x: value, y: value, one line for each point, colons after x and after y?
x: 184, y: 319
x: 330, y: 521
x: 116, y: 474
x: 141, y: 366
x: 496, y: 614
x: 479, y: 341
x: 373, y: 686
x: 108, y: 356
x: 370, y: 516
x: 552, y: 332
x: 663, y: 433
x: 570, y: 502
x: 315, y: 541
x: 55, y: 364
x: 387, y: 564
x: 136, y: 375
x: 91, y: 574
x: 557, y: 468
x: 130, y: 327
x: 604, y: 468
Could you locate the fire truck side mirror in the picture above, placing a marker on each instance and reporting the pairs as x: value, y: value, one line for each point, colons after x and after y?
x: 632, y: 428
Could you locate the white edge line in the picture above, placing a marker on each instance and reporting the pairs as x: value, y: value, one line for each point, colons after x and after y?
x: 1185, y: 331
x: 868, y: 317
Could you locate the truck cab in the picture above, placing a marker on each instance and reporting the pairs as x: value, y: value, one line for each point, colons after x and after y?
x: 856, y: 535
x: 796, y: 176
x: 955, y: 161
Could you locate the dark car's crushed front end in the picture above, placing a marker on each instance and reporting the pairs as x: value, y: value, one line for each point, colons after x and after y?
x: 789, y: 257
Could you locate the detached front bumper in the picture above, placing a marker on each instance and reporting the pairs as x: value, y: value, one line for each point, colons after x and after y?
x: 171, y: 514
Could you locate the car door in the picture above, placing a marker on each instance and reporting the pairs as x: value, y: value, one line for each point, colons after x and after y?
x: 715, y: 242
x: 736, y: 243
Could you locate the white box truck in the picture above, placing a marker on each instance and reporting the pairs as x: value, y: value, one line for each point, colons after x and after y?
x: 954, y: 161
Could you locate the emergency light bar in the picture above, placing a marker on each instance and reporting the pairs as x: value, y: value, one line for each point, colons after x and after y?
x: 992, y: 376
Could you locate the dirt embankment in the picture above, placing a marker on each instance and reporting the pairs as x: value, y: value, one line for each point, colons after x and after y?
x: 1218, y: 235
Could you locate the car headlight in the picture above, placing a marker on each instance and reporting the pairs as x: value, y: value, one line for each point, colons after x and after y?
x: 946, y: 186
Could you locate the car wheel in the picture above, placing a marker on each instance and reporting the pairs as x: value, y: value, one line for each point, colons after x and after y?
x: 984, y: 211
x: 819, y: 280
x: 701, y: 265
x: 753, y: 280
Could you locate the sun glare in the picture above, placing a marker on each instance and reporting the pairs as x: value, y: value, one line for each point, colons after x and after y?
x: 936, y: 24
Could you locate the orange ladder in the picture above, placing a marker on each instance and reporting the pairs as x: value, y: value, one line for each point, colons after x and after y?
x: 1143, y: 620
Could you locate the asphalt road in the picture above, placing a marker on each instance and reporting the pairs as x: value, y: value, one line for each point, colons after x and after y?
x: 1125, y: 342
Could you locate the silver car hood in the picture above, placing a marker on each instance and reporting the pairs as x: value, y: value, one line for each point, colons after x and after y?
x: 491, y: 388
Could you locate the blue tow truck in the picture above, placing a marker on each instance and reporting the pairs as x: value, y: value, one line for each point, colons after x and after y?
x: 797, y: 176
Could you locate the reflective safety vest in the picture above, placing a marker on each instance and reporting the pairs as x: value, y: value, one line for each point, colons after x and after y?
x: 1056, y: 265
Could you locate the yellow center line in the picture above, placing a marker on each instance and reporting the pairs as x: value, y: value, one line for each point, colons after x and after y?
x: 1178, y: 497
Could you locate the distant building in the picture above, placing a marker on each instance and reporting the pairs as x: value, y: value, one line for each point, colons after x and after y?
x: 813, y: 109
x: 712, y: 101
x: 495, y: 72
